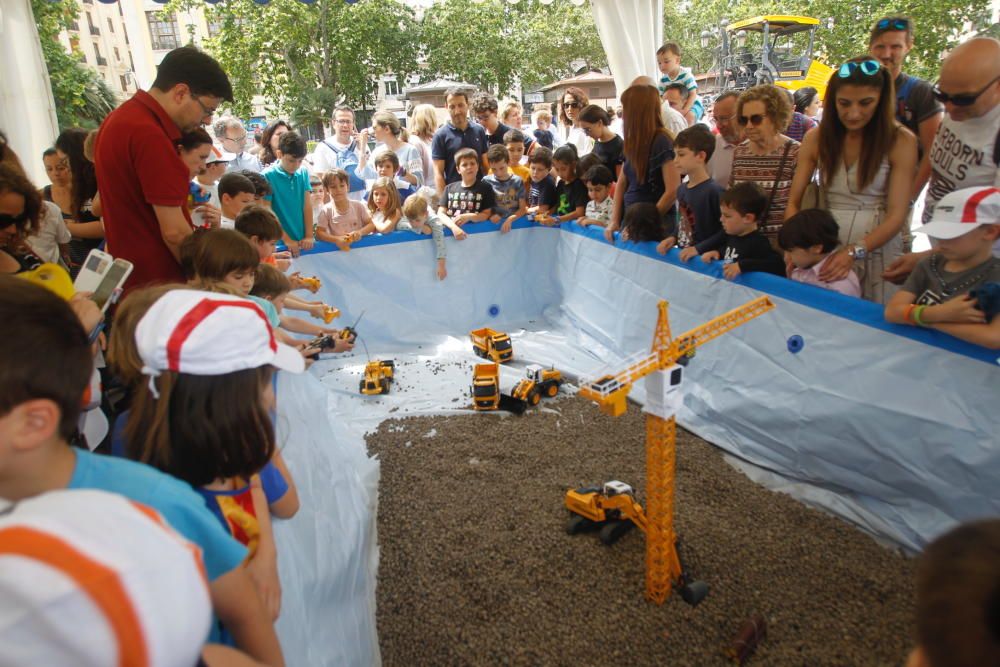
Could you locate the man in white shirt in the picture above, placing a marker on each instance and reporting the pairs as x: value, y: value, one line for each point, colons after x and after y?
x: 233, y: 137
x: 966, y: 148
x: 729, y: 137
x: 341, y: 152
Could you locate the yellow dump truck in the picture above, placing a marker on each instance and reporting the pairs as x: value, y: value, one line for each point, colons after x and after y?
x: 490, y: 344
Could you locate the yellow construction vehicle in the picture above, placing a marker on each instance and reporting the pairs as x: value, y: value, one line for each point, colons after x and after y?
x: 486, y: 387
x: 378, y: 377
x: 774, y: 49
x: 495, y: 345
x: 663, y: 368
x: 537, y: 382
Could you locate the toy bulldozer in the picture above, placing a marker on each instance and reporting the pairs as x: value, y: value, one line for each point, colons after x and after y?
x: 378, y: 377
x: 538, y: 381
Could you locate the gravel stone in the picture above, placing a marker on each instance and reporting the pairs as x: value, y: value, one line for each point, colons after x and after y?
x: 476, y: 567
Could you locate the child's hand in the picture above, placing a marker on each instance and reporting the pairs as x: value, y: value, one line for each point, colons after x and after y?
x: 609, y: 232
x: 442, y: 272
x: 666, y: 244
x: 352, y: 237
x: 584, y: 221
x: 342, y: 344
x: 731, y: 271
x: 959, y: 310
x: 495, y: 217
x: 710, y: 256
x: 317, y: 310
x: 688, y: 252
x: 293, y: 247
x: 283, y: 265
x: 507, y: 225
x: 460, y: 234
x: 281, y: 254
x: 307, y: 243
x: 296, y: 280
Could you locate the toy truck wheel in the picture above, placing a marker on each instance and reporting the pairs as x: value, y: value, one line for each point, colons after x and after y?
x: 389, y: 364
x: 579, y: 524
x: 534, y: 397
x: 694, y: 592
x: 612, y: 531
x: 384, y: 385
x: 361, y: 386
x: 552, y: 390
x: 479, y: 353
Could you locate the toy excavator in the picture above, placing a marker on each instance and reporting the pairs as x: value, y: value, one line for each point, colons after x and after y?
x: 664, y: 372
x: 538, y: 381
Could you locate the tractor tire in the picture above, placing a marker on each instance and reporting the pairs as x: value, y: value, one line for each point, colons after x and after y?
x: 552, y: 390
x: 694, y: 592
x: 534, y: 397
x: 479, y: 353
x: 384, y: 385
x: 612, y: 531
x: 390, y: 364
x: 361, y: 386
x: 580, y: 524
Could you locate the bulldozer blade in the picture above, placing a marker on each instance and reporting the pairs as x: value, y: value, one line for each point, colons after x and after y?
x: 511, y: 404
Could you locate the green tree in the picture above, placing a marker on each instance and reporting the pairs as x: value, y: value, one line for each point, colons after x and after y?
x: 305, y: 59
x: 82, y: 98
x: 493, y: 44
x: 938, y: 26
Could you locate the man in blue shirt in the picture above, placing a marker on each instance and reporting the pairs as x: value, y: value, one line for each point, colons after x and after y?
x: 453, y: 136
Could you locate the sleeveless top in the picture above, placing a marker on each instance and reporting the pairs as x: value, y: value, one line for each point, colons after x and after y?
x: 842, y: 193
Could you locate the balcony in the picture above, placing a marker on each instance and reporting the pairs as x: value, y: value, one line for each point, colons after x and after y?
x: 102, y: 61
x: 95, y: 31
x: 74, y: 27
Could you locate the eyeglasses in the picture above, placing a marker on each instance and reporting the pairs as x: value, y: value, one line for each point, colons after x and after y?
x: 571, y: 105
x: 893, y: 24
x: 867, y: 67
x: 238, y: 140
x: 8, y: 220
x: 755, y: 120
x: 723, y: 119
x: 207, y: 111
x: 344, y: 121
x: 961, y: 99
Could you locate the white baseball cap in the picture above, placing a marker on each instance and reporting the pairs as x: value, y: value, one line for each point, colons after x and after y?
x: 69, y: 595
x: 202, y: 333
x: 219, y: 155
x: 961, y: 211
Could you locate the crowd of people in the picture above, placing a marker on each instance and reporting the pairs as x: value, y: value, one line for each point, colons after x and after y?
x: 818, y: 191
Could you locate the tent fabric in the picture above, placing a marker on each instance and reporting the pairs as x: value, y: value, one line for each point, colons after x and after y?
x: 631, y: 31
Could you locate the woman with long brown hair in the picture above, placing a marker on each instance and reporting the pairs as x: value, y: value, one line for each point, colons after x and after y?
x: 569, y: 130
x: 866, y: 162
x: 269, y: 140
x: 20, y: 209
x: 649, y: 174
x: 85, y: 224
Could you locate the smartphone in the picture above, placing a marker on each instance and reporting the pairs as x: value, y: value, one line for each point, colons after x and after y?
x: 110, y: 286
x: 92, y: 272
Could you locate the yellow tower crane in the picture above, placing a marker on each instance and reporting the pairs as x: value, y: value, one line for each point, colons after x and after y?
x: 663, y: 370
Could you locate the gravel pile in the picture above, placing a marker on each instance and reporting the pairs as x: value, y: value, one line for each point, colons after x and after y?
x: 476, y: 567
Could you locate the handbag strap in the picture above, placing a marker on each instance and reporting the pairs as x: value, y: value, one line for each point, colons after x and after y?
x: 777, y: 177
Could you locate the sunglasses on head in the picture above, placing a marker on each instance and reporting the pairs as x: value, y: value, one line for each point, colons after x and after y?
x: 893, y: 24
x: 571, y: 105
x: 755, y: 119
x: 8, y: 220
x: 867, y: 67
x: 961, y: 99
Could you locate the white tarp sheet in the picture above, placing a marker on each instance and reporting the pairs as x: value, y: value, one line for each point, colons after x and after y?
x: 890, y: 428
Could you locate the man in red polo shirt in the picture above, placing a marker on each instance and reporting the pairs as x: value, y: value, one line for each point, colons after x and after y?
x: 142, y: 181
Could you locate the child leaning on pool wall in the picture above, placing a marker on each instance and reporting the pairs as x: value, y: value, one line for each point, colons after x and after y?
x: 419, y: 219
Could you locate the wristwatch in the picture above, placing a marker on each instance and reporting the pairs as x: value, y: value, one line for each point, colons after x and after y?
x: 857, y: 251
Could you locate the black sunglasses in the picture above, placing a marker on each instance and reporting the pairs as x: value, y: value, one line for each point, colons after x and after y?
x: 755, y: 119
x: 892, y: 24
x: 961, y: 99
x: 571, y: 105
x: 8, y: 220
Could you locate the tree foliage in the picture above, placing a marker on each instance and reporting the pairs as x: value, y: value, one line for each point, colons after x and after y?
x: 82, y: 98
x: 938, y: 26
x: 308, y: 58
x: 494, y: 44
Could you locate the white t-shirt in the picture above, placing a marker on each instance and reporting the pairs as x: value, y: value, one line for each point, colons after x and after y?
x: 324, y: 159
x: 227, y: 223
x: 410, y: 159
x: 51, y: 232
x: 962, y: 157
x: 673, y: 119
x: 577, y: 137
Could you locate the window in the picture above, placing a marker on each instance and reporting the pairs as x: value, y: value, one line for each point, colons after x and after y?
x: 118, y: 56
x: 214, y: 27
x: 594, y: 92
x: 111, y: 26
x: 94, y: 30
x: 391, y: 88
x: 124, y: 82
x: 163, y: 33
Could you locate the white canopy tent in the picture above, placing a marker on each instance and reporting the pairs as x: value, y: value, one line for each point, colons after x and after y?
x: 630, y: 31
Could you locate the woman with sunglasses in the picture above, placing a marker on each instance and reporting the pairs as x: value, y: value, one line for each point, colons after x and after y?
x: 20, y: 208
x: 569, y: 130
x: 768, y: 157
x: 85, y: 208
x: 866, y: 162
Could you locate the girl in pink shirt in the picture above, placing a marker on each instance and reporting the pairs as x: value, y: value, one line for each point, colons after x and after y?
x: 808, y: 238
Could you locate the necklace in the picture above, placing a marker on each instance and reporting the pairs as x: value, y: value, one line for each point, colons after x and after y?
x: 947, y: 291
